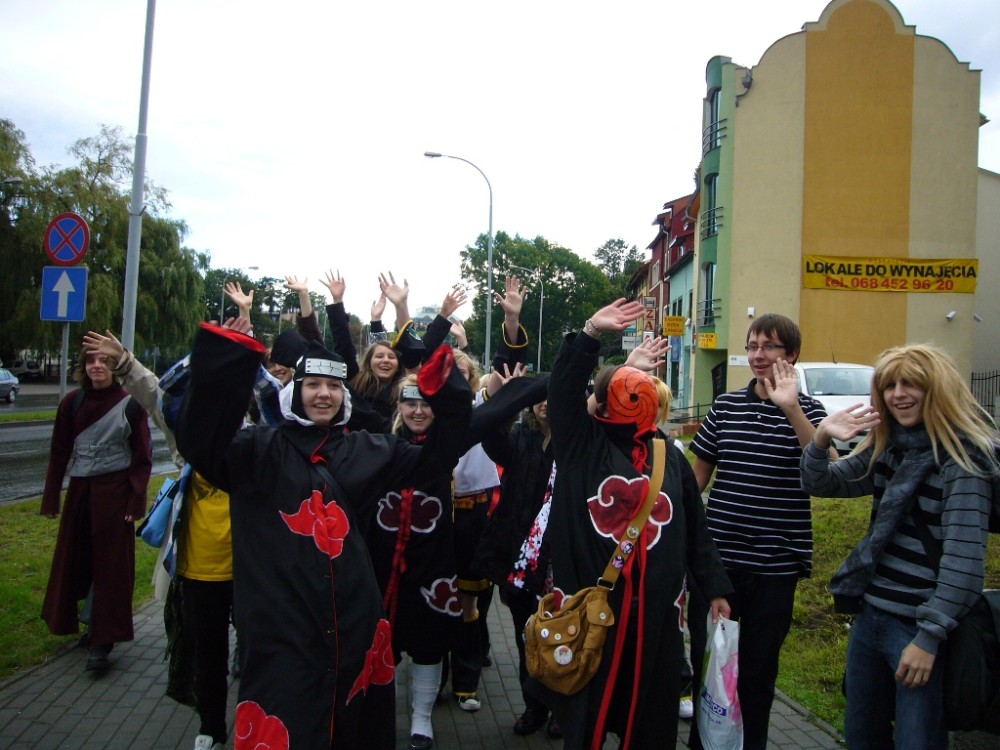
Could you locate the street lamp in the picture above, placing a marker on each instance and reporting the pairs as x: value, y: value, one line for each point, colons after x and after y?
x: 489, y: 251
x: 541, y: 307
x: 222, y: 295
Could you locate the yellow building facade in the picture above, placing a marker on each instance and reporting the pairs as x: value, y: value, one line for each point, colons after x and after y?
x: 855, y: 139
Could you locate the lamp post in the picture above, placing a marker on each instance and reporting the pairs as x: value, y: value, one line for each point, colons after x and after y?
x: 541, y: 308
x: 222, y: 295
x: 489, y: 250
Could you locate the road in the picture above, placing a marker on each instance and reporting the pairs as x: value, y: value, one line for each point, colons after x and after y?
x: 24, y: 457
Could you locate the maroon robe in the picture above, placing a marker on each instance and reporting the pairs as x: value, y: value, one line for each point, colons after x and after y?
x: 95, y: 545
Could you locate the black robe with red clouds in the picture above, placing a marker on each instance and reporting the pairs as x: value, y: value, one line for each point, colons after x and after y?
x: 317, y: 659
x: 597, y: 493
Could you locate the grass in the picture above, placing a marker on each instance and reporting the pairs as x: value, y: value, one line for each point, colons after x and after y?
x: 27, y: 541
x: 27, y: 416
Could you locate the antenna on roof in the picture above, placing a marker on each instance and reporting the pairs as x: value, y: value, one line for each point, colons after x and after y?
x: 833, y: 357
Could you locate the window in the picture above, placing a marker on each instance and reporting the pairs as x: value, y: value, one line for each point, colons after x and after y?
x: 712, y: 215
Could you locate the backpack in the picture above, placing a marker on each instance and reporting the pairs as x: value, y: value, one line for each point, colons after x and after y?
x: 972, y: 667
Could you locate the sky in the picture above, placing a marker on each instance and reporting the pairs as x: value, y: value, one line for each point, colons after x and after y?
x: 291, y: 135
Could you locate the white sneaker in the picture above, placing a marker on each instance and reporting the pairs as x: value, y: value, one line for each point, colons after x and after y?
x: 469, y: 702
x: 686, y: 709
x: 205, y: 742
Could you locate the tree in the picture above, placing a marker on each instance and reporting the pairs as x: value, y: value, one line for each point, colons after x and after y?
x: 96, y: 186
x: 574, y: 288
x: 619, y: 262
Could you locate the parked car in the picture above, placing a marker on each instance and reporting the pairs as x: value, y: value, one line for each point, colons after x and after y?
x: 9, y: 386
x: 837, y: 385
x: 26, y: 369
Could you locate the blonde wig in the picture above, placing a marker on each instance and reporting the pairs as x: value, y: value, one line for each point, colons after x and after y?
x: 951, y: 415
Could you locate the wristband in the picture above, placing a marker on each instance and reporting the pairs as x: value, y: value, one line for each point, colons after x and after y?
x: 591, y: 330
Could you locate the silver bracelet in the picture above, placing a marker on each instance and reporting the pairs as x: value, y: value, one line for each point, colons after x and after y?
x: 591, y: 330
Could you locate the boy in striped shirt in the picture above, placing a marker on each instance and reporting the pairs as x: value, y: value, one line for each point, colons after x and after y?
x: 758, y: 514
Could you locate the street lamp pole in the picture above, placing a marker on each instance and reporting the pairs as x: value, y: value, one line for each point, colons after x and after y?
x: 489, y: 251
x: 541, y: 308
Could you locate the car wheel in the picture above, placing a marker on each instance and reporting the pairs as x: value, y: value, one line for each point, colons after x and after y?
x: 11, y: 396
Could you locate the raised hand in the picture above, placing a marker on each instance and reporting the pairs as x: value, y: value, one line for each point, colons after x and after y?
x: 617, y: 316
x: 378, y: 307
x: 453, y: 300
x: 508, y: 375
x: 513, y: 296
x: 293, y: 284
x: 783, y: 386
x: 395, y: 293
x: 845, y: 424
x: 240, y: 324
x: 107, y: 345
x: 244, y: 301
x: 458, y: 331
x: 649, y: 355
x: 336, y: 285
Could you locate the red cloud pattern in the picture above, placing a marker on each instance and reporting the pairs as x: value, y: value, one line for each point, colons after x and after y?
x: 379, y: 668
x: 326, y: 523
x: 423, y: 516
x: 442, y: 596
x: 618, y: 500
x: 256, y: 730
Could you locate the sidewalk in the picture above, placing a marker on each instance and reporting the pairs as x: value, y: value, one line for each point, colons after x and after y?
x: 60, y: 706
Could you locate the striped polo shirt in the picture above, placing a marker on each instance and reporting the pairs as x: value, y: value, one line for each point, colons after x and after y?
x: 758, y: 513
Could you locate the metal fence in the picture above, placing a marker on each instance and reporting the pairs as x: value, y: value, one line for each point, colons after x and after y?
x: 984, y: 387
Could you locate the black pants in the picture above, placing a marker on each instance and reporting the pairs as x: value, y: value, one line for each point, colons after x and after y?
x: 205, y: 608
x: 763, y: 606
x: 467, y: 649
x: 523, y: 605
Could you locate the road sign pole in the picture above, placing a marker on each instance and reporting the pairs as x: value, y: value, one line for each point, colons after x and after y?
x: 65, y: 362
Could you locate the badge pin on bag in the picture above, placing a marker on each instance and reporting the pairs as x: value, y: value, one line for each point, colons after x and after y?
x: 720, y: 722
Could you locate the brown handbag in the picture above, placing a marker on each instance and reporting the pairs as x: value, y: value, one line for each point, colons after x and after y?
x: 563, y: 646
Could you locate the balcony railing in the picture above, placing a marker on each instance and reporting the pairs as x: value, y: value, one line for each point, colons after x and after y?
x: 711, y: 137
x: 711, y: 222
x: 709, y: 311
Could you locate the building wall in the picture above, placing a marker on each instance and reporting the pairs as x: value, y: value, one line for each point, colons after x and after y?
x: 986, y: 334
x: 856, y: 138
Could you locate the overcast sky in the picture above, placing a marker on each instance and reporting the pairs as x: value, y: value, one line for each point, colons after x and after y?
x: 291, y: 135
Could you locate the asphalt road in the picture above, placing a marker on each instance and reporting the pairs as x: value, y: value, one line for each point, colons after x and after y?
x: 24, y: 446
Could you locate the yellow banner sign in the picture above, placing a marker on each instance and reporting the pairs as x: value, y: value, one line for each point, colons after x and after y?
x: 707, y: 340
x: 890, y: 274
x: 673, y: 325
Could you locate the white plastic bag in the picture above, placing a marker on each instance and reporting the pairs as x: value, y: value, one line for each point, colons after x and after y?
x: 720, y: 722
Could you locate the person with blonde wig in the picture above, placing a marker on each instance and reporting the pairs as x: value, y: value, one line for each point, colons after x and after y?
x: 928, y: 461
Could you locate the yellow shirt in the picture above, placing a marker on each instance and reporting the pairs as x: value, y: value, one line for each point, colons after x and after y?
x: 205, y: 549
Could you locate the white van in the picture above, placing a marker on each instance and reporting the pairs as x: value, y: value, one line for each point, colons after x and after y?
x: 837, y: 385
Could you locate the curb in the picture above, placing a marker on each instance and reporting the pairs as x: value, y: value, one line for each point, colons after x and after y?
x: 63, y: 650
x: 809, y: 716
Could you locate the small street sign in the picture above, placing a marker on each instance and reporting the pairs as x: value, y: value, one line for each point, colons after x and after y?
x: 67, y: 239
x: 64, y: 294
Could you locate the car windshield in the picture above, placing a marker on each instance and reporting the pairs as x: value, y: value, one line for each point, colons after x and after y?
x: 839, y: 381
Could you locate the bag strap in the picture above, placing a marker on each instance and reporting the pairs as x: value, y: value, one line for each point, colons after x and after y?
x: 327, y: 477
x: 634, y: 529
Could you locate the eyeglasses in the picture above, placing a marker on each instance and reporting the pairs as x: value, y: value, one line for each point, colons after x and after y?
x: 753, y: 348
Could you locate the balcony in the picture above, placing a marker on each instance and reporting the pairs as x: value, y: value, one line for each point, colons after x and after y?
x: 709, y: 312
x: 711, y: 222
x: 711, y: 137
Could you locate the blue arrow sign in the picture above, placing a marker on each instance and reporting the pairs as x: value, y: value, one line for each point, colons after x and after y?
x: 64, y: 294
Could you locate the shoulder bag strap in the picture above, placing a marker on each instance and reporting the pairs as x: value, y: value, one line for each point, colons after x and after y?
x: 634, y: 529
x: 327, y: 477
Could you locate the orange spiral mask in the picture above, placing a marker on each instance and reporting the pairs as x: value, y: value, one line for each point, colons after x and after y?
x: 632, y: 398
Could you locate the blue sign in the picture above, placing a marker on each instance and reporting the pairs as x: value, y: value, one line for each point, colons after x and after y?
x: 64, y: 294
